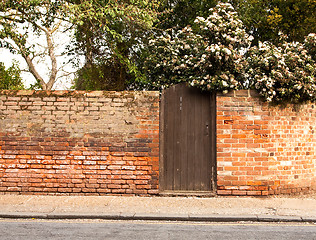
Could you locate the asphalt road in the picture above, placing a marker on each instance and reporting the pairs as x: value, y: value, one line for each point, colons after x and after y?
x: 97, y: 229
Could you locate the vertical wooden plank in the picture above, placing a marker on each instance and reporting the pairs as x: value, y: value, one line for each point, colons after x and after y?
x: 203, y: 143
x: 175, y: 128
x: 167, y: 137
x: 177, y: 141
x: 162, y: 139
x: 206, y: 149
x: 213, y: 143
x: 191, y: 142
x: 197, y: 143
x: 185, y: 129
x: 169, y: 140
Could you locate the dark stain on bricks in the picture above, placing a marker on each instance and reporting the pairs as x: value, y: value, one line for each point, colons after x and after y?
x: 228, y: 121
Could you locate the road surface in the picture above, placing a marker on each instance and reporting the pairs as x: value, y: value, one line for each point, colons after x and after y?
x: 33, y: 229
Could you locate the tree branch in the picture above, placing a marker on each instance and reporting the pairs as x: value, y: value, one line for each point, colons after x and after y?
x: 56, y: 27
x: 51, y: 51
x: 29, y: 61
x: 34, y: 72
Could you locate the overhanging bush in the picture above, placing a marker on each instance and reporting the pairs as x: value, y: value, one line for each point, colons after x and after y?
x: 215, y: 55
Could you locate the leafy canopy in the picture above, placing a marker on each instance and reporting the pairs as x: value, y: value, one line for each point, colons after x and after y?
x: 265, y: 19
x: 110, y: 35
x: 10, y: 78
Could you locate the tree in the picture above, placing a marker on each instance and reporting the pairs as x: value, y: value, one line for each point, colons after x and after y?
x: 265, y: 19
x: 110, y: 35
x: 180, y: 13
x: 10, y: 78
x: 30, y: 28
x: 296, y: 19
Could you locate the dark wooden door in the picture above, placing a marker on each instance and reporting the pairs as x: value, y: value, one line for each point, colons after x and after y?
x: 187, y: 140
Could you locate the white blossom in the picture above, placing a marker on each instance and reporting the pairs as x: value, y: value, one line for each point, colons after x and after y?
x: 216, y: 55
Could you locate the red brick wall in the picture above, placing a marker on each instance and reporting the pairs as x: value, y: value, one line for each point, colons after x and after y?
x: 262, y: 149
x: 94, y: 143
x: 89, y: 143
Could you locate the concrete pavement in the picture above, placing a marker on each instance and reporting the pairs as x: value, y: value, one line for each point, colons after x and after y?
x: 218, y: 209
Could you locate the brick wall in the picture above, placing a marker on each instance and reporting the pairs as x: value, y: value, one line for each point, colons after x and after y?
x: 89, y: 143
x: 95, y: 143
x: 262, y: 149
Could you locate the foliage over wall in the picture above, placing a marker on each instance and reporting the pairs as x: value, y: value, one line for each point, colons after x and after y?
x: 214, y: 54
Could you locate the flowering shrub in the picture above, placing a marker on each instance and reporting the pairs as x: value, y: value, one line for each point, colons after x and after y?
x: 215, y: 55
x: 310, y: 44
x: 208, y: 55
x: 282, y: 74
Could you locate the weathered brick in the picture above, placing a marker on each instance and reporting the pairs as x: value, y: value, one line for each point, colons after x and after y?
x: 224, y: 192
x: 260, y: 142
x: 97, y: 135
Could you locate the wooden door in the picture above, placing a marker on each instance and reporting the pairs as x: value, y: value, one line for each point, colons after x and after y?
x: 187, y: 140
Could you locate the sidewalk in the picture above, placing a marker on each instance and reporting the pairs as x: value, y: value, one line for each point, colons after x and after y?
x: 216, y: 209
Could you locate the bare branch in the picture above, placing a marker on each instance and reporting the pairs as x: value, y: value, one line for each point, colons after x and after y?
x: 51, y: 51
x: 65, y: 74
x: 19, y: 23
x: 12, y: 19
x: 56, y: 27
x: 34, y: 72
x: 24, y: 53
